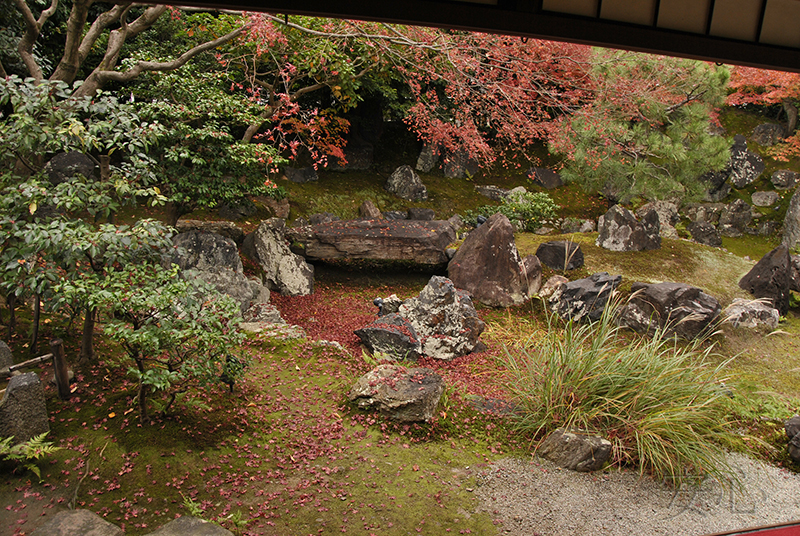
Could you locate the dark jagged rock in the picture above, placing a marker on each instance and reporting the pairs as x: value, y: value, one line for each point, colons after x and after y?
x: 444, y: 318
x: 369, y: 211
x: 546, y: 178
x: 735, y: 219
x: 459, y: 165
x: 65, y: 166
x: 225, y: 228
x: 771, y: 278
x: 428, y: 158
x: 575, y: 450
x: 405, y: 395
x: 488, y: 265
x: 584, y: 298
x: 560, y: 255
x: 705, y: 233
x: 391, y: 336
x: 784, y: 179
x: 744, y: 166
x: 405, y: 183
x: 768, y: 134
x: 301, y: 175
x: 619, y: 230
x: 678, y: 308
x: 215, y: 259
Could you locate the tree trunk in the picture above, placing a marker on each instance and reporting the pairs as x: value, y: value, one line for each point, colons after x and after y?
x: 37, y: 311
x: 87, y: 339
x: 143, y: 389
x: 11, y: 302
x: 791, y: 116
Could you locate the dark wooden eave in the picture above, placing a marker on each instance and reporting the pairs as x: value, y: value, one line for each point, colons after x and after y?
x: 759, y: 33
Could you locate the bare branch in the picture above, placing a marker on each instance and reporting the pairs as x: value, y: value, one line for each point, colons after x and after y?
x: 100, y: 77
x: 103, y: 21
x: 33, y: 27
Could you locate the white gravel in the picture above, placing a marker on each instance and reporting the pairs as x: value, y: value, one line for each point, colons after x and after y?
x: 537, y: 498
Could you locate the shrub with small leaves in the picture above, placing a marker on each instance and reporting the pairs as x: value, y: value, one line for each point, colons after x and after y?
x: 527, y: 211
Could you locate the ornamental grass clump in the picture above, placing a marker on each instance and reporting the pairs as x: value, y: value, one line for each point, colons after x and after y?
x: 656, y: 400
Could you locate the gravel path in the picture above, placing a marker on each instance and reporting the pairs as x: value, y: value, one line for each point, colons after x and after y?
x: 537, y: 498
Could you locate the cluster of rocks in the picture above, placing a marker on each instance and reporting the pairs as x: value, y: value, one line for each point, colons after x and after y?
x: 441, y: 323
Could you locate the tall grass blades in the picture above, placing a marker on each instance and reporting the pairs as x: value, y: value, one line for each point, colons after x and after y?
x: 658, y: 402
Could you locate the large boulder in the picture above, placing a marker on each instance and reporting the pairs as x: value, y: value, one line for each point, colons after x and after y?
x: 560, y: 255
x: 744, y: 166
x: 735, y: 219
x: 428, y: 158
x: 532, y: 268
x: 440, y: 323
x: 405, y: 183
x: 444, y: 318
x: 678, y: 308
x: 751, y: 314
x: 704, y: 212
x: 459, y: 165
x: 575, y: 450
x: 791, y: 222
x: 717, y: 185
x: 301, y: 175
x: 369, y: 211
x: 284, y: 271
x: 493, y: 192
x: 705, y: 233
x: 619, y: 230
x: 205, y: 251
x: 667, y: 217
x: 584, y: 299
x: 75, y: 523
x: 784, y: 179
x: 6, y: 356
x: 405, y: 395
x: 768, y: 134
x: 765, y: 199
x: 771, y: 278
x: 488, y: 265
x: 225, y: 228
x: 65, y: 166
x: 546, y: 178
x: 23, y: 413
x: 215, y: 260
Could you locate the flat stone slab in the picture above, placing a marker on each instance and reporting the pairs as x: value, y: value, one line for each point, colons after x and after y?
x: 423, y: 242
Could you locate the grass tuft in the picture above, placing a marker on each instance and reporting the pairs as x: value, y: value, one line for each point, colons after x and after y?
x: 658, y: 402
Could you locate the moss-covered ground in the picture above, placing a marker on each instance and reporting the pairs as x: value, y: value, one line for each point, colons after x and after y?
x: 286, y: 454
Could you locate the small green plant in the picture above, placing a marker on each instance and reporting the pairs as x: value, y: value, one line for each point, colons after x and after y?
x: 193, y: 507
x: 657, y: 401
x: 25, y: 454
x: 526, y: 210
